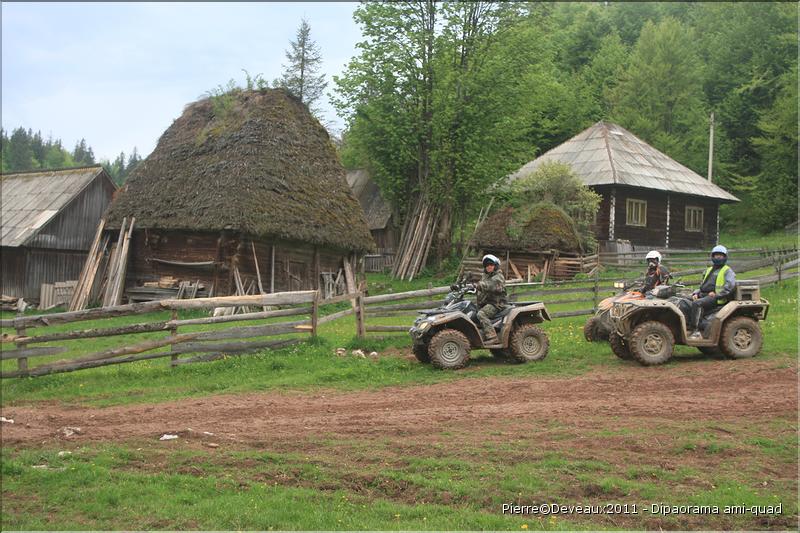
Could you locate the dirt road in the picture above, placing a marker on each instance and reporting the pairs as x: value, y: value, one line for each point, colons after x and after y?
x: 723, y: 391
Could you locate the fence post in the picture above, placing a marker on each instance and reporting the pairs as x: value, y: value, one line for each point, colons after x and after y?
x: 173, y: 331
x: 358, y: 308
x: 596, y: 291
x: 22, y: 362
x: 315, y: 314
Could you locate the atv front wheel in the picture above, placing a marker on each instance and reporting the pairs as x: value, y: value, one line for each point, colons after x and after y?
x: 741, y: 338
x: 449, y: 349
x: 619, y: 346
x: 528, y: 343
x: 652, y: 343
x: 590, y: 329
x: 421, y: 353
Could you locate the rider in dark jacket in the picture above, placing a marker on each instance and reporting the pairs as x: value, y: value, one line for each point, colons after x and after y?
x: 492, y: 297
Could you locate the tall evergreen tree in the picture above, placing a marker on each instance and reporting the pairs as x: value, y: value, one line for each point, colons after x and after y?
x: 301, y: 73
x: 20, y: 152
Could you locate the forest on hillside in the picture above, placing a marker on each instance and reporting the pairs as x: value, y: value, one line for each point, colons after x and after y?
x: 446, y: 98
x: 28, y: 150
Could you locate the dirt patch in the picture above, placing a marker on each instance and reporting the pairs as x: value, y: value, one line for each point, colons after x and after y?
x: 722, y: 391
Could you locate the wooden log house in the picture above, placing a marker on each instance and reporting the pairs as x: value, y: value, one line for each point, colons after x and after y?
x: 649, y: 199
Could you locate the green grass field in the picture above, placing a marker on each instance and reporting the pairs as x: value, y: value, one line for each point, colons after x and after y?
x: 450, y: 480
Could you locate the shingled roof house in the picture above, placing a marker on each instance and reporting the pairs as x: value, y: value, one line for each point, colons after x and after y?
x: 252, y: 191
x: 648, y: 198
x: 49, y: 218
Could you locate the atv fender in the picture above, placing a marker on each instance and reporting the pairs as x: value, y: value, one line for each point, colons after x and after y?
x: 536, y: 313
x: 462, y: 323
x: 756, y: 310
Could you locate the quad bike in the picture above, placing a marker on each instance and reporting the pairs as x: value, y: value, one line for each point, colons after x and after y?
x: 444, y: 336
x: 599, y: 327
x: 648, y: 330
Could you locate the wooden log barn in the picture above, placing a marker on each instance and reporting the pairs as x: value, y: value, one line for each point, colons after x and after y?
x: 380, y: 219
x: 245, y: 195
x: 48, y: 221
x: 649, y: 199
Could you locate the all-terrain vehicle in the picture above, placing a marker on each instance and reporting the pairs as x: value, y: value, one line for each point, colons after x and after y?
x: 599, y: 326
x: 648, y: 330
x: 444, y: 336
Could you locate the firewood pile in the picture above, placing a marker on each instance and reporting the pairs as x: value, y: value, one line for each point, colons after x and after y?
x: 415, y: 242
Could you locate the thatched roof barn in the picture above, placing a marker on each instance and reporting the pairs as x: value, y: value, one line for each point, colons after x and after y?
x: 47, y: 223
x: 527, y: 240
x: 243, y: 171
x: 648, y: 198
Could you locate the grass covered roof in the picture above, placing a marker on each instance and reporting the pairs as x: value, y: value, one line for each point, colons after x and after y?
x: 253, y: 161
x: 537, y: 228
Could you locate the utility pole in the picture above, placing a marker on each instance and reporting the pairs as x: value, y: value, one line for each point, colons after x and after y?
x: 711, y: 148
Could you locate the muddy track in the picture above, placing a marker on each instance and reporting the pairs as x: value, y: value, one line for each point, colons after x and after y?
x: 723, y: 390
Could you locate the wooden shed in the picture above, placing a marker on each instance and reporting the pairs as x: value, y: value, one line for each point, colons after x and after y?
x: 380, y: 219
x: 48, y: 223
x: 238, y: 192
x: 649, y: 199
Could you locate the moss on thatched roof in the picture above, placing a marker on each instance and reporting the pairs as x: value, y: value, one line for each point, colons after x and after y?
x: 541, y: 227
x: 252, y: 161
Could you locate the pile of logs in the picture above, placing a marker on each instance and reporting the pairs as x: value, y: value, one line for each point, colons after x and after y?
x: 415, y: 242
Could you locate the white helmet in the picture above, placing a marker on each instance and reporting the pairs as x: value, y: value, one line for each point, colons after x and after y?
x: 653, y: 254
x: 489, y: 258
x: 719, y: 249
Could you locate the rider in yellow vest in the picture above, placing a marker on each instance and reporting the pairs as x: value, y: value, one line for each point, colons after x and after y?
x: 719, y: 282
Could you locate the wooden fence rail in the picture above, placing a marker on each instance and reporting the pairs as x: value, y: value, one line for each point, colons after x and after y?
x: 213, y: 343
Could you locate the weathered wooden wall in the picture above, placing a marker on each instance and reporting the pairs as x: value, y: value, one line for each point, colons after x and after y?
x: 655, y: 233
x: 13, y: 273
x: 74, y: 227
x: 25, y: 269
x: 297, y: 265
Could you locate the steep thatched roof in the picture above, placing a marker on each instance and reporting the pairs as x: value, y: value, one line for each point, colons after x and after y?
x: 544, y: 227
x: 376, y: 209
x: 253, y: 161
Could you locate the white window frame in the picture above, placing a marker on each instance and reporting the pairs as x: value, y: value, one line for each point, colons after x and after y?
x: 631, y: 205
x: 689, y: 218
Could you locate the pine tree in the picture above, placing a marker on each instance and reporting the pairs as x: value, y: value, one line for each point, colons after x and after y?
x: 300, y: 74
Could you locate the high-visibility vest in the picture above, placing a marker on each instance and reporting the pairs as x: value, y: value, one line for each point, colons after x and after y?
x: 719, y: 283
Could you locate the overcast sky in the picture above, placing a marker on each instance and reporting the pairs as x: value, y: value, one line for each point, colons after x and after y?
x: 118, y: 74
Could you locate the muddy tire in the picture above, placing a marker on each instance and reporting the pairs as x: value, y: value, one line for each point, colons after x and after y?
x: 741, y: 338
x: 421, y: 353
x: 619, y: 346
x: 590, y: 332
x: 652, y: 343
x: 449, y: 349
x: 528, y: 343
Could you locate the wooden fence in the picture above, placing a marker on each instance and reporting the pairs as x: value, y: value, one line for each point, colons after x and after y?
x: 183, y: 343
x: 177, y: 345
x: 581, y: 297
x: 740, y: 259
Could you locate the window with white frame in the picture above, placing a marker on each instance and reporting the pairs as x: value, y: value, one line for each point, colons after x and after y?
x: 694, y: 218
x: 636, y: 212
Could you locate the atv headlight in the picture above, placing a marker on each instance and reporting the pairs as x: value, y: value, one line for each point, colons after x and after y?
x: 619, y: 285
x: 425, y: 325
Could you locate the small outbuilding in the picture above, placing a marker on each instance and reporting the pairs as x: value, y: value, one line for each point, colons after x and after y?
x: 49, y: 219
x: 649, y: 199
x: 243, y: 192
x: 380, y: 219
x: 537, y: 240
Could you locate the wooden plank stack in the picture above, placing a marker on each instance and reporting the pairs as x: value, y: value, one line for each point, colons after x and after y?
x: 83, y: 289
x: 118, y: 266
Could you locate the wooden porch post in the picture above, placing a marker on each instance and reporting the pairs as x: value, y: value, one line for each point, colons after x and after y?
x: 612, y: 213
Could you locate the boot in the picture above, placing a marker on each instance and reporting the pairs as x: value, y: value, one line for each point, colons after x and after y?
x: 490, y: 337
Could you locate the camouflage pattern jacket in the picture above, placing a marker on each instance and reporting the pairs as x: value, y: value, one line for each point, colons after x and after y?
x: 492, y: 289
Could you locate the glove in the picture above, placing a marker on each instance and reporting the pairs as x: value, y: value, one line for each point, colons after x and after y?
x: 454, y: 287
